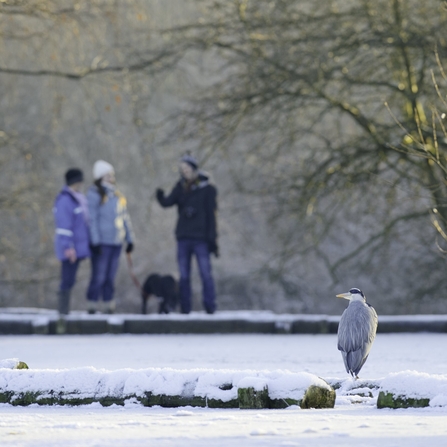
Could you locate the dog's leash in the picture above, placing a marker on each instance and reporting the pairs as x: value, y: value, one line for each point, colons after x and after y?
x: 131, y: 272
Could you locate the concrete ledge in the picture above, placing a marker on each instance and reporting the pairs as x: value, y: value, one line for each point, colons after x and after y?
x: 320, y: 326
x: 16, y: 327
x: 390, y: 326
x: 88, y: 327
x: 41, y: 321
x: 193, y: 326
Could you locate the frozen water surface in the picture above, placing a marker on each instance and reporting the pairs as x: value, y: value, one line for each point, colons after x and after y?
x: 133, y: 425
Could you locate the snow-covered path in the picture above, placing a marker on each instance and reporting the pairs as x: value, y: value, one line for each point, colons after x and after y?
x: 134, y: 425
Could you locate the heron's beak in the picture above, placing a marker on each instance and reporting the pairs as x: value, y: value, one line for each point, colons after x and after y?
x: 346, y: 296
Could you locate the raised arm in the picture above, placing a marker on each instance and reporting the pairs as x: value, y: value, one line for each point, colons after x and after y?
x: 171, y: 199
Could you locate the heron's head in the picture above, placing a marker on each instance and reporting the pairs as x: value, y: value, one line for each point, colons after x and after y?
x: 353, y: 295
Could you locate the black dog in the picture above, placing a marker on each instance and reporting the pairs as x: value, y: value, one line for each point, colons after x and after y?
x: 165, y: 288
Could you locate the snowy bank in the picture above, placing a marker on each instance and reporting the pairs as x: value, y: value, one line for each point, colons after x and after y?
x: 165, y: 387
x: 170, y: 387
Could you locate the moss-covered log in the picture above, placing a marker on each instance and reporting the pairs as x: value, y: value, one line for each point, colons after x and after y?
x: 251, y: 398
x: 389, y: 400
x: 151, y: 400
x: 248, y: 398
x: 21, y: 365
x: 196, y: 388
x: 13, y: 364
x: 318, y: 397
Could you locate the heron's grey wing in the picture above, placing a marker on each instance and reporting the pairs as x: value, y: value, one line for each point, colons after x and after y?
x: 356, y: 333
x: 348, y: 339
x: 370, y: 335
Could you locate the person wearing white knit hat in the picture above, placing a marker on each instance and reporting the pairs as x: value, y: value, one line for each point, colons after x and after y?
x: 102, y: 168
x: 110, y: 227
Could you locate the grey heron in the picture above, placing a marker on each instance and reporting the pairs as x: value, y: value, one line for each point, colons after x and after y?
x: 356, y: 331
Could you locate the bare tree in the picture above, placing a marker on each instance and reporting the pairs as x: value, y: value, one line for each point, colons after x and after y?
x: 296, y: 92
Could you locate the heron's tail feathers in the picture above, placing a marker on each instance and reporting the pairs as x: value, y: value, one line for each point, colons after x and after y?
x: 354, y: 361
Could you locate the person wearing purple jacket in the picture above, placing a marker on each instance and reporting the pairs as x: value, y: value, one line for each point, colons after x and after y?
x: 71, y: 242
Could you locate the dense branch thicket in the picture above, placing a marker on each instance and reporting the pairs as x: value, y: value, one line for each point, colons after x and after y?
x: 299, y: 95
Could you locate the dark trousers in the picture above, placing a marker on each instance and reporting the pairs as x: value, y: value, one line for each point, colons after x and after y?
x: 104, y: 268
x: 68, y: 274
x: 185, y: 249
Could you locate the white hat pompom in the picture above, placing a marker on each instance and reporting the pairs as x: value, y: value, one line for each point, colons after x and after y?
x: 101, y: 168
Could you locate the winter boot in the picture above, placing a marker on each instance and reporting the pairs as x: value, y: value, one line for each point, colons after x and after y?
x: 64, y: 302
x: 110, y: 307
x: 61, y: 325
x: 93, y: 307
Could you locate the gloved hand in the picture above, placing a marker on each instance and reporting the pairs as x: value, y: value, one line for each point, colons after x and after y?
x: 95, y: 249
x: 213, y: 248
x: 160, y: 194
x: 129, y: 248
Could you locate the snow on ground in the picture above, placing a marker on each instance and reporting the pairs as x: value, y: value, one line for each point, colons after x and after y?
x: 391, y: 359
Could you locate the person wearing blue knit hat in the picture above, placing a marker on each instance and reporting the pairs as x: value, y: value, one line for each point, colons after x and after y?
x: 196, y: 229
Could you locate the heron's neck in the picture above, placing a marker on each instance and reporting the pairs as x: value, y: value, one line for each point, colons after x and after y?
x: 357, y: 298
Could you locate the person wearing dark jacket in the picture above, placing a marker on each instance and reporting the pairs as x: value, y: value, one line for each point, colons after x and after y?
x: 71, y: 242
x: 196, y: 229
